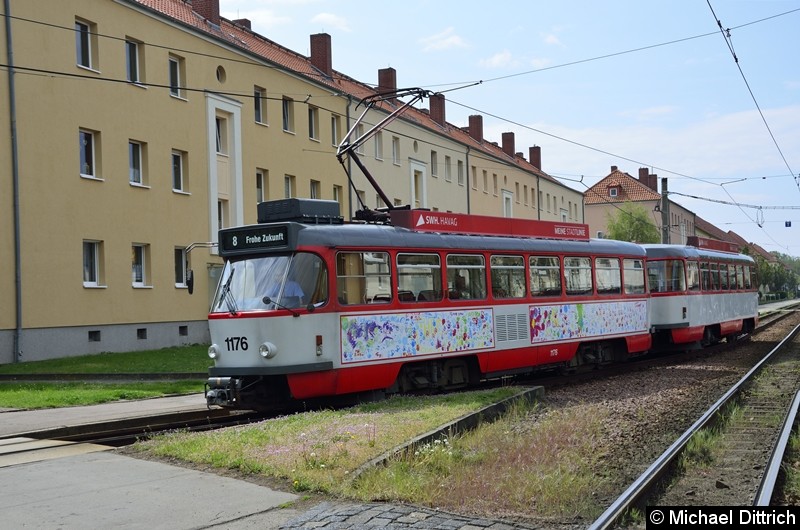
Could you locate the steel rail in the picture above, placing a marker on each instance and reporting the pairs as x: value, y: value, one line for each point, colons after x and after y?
x: 767, y: 486
x: 659, y: 467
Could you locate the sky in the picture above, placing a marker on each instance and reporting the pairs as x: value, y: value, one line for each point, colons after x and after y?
x: 705, y: 93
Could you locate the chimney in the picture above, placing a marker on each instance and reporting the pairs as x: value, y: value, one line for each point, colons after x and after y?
x: 613, y: 168
x: 651, y: 181
x: 208, y: 9
x: 508, y: 143
x: 476, y: 127
x: 387, y: 82
x: 321, y: 53
x: 535, y: 156
x: 437, y: 109
x: 243, y: 22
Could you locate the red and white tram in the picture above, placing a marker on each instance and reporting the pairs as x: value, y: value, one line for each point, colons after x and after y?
x: 700, y: 293
x: 308, y: 306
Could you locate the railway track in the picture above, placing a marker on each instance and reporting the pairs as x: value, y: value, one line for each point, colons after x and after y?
x: 751, y: 424
x: 75, y: 439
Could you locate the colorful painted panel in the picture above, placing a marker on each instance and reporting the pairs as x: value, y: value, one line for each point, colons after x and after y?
x: 378, y: 337
x: 560, y: 322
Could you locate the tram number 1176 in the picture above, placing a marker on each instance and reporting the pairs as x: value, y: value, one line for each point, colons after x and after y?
x: 236, y: 343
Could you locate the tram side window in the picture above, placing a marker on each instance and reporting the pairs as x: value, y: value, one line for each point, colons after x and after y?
x: 705, y: 276
x: 666, y: 276
x: 508, y: 276
x: 733, y: 278
x: 419, y: 277
x: 466, y: 276
x: 363, y: 277
x: 714, y: 277
x: 747, y: 278
x: 634, y: 276
x: 545, y: 275
x: 607, y: 275
x: 723, y: 276
x: 578, y: 275
x: 692, y: 276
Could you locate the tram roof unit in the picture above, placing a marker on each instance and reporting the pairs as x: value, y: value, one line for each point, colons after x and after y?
x: 691, y: 252
x: 297, y: 226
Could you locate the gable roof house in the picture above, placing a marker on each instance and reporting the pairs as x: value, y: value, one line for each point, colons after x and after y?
x: 618, y: 187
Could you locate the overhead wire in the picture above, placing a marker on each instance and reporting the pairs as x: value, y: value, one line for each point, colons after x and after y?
x: 463, y: 86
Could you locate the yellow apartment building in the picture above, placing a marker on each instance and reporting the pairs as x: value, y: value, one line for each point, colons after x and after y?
x: 139, y: 128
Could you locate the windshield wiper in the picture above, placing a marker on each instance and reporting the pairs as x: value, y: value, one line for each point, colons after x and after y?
x: 227, y: 296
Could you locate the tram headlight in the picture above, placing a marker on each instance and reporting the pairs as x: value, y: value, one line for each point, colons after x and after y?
x: 268, y: 350
x: 213, y: 351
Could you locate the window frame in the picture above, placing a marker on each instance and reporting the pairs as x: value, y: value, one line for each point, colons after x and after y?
x: 177, y: 74
x: 136, y: 163
x: 287, y: 114
x: 140, y: 259
x: 181, y: 258
x: 180, y: 156
x: 259, y: 104
x: 133, y: 61
x: 313, y: 123
x: 84, y: 44
x: 87, y: 150
x: 92, y: 270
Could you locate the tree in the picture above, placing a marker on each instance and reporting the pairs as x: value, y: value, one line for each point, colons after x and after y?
x: 630, y: 222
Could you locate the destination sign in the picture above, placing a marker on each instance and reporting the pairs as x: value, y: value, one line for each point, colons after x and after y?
x: 456, y: 223
x: 252, y: 238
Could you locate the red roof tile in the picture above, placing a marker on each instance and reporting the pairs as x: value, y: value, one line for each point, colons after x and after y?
x: 262, y: 47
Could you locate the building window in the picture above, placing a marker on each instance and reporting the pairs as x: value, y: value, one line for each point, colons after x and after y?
x: 222, y: 213
x: 395, y: 150
x: 434, y: 164
x: 177, y: 74
x: 313, y: 123
x: 261, y: 185
x: 337, y: 196
x: 516, y: 192
x: 359, y: 134
x: 85, y: 43
x: 179, y: 171
x: 288, y: 115
x: 525, y: 194
x: 313, y: 192
x: 288, y: 186
x: 87, y: 140
x: 613, y: 192
x: 379, y: 145
x: 139, y: 262
x: 132, y: 60
x: 494, y: 184
x: 460, y: 172
x: 222, y: 136
x: 485, y: 181
x: 336, y: 133
x: 180, y: 266
x: 136, y: 157
x: 448, y: 169
x: 92, y: 259
x: 260, y: 104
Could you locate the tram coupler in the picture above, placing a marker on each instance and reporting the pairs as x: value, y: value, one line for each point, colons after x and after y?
x: 221, y: 391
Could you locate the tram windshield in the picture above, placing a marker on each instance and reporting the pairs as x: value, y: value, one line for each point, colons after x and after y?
x: 272, y: 282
